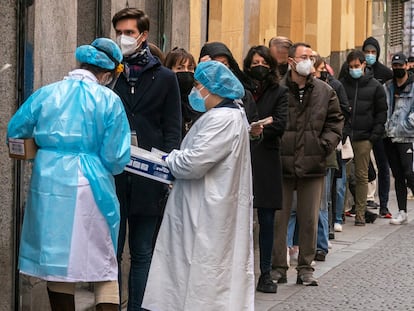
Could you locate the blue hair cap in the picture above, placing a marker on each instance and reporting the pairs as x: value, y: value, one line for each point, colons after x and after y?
x: 102, y: 52
x: 219, y: 80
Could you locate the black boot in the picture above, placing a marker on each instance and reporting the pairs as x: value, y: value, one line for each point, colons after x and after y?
x: 370, y: 217
x: 266, y: 284
x: 61, y: 301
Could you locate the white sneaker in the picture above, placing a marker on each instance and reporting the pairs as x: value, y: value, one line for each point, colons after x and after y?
x: 400, y: 219
x: 288, y: 257
x: 329, y: 245
x: 337, y: 227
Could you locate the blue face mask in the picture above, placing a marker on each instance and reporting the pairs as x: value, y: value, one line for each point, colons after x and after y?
x: 196, y: 100
x: 356, y: 73
x: 370, y: 59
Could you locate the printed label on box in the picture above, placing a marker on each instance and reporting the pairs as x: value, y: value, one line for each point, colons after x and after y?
x: 16, y: 146
x: 149, y: 169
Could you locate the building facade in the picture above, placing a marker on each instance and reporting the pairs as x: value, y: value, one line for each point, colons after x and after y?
x: 39, y: 39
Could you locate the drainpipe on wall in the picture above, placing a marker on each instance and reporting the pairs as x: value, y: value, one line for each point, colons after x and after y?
x: 18, y: 165
x: 98, y: 19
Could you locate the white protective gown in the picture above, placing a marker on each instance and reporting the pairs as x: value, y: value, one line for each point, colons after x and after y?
x: 71, y: 219
x: 203, y: 259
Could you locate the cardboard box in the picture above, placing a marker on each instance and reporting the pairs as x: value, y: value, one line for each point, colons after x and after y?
x: 150, y: 165
x: 22, y: 149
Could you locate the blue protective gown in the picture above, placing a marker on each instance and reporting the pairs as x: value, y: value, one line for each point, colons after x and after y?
x: 82, y: 131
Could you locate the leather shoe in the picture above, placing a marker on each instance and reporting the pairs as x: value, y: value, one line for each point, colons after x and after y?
x: 266, y: 284
x: 320, y: 255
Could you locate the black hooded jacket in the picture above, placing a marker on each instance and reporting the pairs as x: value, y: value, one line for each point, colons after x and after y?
x: 368, y: 103
x: 215, y: 49
x: 381, y: 72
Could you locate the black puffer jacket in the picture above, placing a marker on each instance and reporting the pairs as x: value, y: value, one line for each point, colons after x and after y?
x: 367, y: 99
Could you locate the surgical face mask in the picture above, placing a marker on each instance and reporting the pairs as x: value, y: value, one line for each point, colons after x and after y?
x: 185, y: 81
x: 399, y: 72
x: 355, y: 73
x: 370, y: 59
x: 196, y: 100
x: 304, y: 68
x: 128, y: 44
x: 259, y: 72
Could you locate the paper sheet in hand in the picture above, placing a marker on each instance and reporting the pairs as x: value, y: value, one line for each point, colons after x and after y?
x: 149, y: 164
x: 263, y: 122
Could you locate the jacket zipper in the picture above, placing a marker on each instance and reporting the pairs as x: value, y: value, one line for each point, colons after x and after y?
x: 354, y: 109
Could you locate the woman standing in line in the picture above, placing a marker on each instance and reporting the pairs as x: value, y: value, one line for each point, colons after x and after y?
x: 271, y: 101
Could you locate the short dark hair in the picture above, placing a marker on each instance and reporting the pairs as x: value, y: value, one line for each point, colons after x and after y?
x: 142, y: 19
x: 178, y: 56
x: 293, y: 48
x: 354, y: 55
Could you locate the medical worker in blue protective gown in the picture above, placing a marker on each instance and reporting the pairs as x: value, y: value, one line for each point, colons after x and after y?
x: 71, y: 220
x: 203, y: 258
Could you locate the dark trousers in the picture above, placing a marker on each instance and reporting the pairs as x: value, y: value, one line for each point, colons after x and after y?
x: 400, y: 157
x: 383, y: 179
x: 266, y: 217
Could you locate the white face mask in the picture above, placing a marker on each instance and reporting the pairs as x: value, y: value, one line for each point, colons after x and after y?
x: 304, y: 68
x: 128, y: 44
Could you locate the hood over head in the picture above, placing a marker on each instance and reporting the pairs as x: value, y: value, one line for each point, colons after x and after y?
x: 374, y: 42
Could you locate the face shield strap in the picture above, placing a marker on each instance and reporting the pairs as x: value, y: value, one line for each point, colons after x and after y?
x: 118, y: 66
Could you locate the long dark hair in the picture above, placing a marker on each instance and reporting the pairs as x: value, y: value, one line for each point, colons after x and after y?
x: 263, y: 51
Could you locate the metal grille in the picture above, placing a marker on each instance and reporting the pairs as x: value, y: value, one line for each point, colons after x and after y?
x: 396, y: 23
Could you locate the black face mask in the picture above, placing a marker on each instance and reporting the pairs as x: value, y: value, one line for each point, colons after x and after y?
x: 324, y: 75
x: 282, y: 68
x: 185, y: 81
x: 259, y: 72
x: 399, y: 73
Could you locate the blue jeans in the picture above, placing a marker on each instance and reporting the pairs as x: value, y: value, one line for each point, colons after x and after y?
x: 293, y: 227
x: 340, y: 194
x: 140, y: 238
x: 266, y: 217
x: 323, y: 222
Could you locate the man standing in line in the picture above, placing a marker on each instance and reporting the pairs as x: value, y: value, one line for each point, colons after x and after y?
x: 151, y: 98
x: 314, y: 129
x: 368, y: 114
x: 279, y: 49
x: 382, y: 73
x: 400, y: 132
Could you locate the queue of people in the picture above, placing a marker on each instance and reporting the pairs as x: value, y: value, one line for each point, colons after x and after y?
x: 270, y: 138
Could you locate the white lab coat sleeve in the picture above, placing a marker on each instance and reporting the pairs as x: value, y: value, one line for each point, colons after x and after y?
x: 212, y: 143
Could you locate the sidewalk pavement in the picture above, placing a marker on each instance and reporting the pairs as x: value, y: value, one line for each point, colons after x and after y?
x: 368, y: 268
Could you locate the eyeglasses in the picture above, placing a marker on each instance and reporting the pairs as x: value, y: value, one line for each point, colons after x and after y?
x: 305, y: 57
